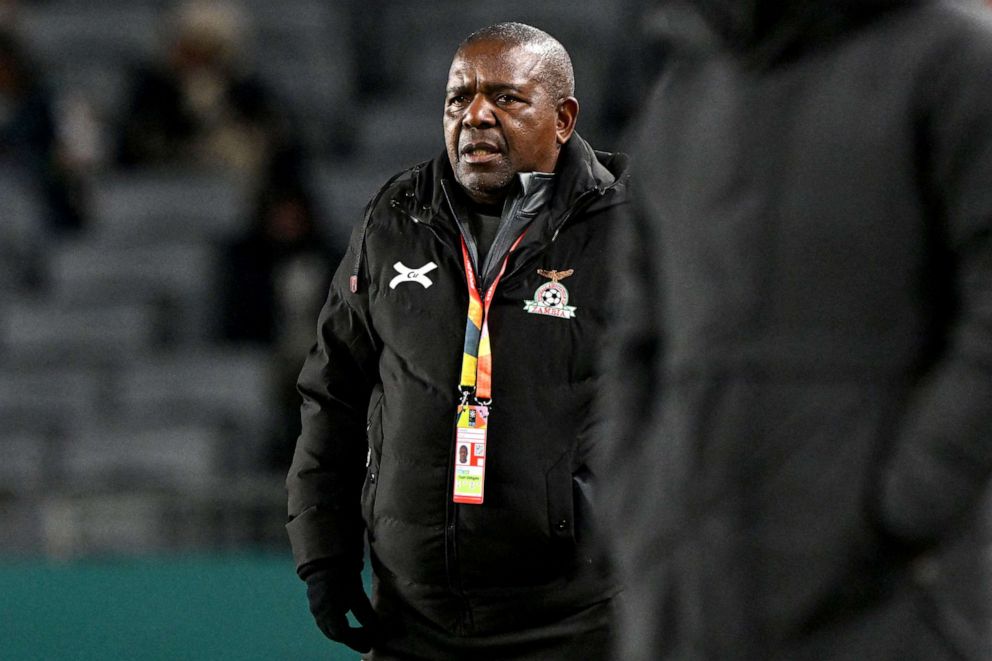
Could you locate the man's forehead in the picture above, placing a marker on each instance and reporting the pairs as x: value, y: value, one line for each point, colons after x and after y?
x: 492, y: 60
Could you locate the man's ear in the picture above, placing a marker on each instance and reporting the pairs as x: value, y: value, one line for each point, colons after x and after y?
x: 567, y: 113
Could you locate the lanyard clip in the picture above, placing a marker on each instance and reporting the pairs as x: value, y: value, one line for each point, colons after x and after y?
x: 468, y: 392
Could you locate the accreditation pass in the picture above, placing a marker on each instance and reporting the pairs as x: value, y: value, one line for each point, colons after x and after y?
x: 470, y: 453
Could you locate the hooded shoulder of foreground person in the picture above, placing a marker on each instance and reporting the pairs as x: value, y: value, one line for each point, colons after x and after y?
x: 765, y: 31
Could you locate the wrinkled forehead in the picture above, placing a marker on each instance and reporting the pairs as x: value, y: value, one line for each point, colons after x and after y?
x: 495, y: 63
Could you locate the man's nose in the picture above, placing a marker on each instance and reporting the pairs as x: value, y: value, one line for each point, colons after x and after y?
x: 479, y: 113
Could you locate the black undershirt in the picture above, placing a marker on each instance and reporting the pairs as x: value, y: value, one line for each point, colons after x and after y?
x: 483, y: 226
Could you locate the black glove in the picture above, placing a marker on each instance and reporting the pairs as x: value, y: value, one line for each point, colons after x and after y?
x: 333, y: 589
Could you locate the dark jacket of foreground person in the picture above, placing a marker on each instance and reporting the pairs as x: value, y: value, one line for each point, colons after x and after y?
x: 387, y: 360
x: 805, y: 367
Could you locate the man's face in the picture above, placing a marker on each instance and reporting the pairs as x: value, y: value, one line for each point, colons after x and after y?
x: 499, y: 119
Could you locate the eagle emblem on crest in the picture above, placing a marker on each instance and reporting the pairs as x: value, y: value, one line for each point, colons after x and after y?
x: 555, y: 276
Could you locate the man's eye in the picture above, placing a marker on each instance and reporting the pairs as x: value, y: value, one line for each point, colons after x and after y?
x: 456, y: 101
x: 506, y: 99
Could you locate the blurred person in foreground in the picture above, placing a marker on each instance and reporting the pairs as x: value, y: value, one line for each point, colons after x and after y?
x: 469, y: 310
x: 802, y: 429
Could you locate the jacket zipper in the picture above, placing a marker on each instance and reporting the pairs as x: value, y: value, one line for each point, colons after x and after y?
x: 450, y: 506
x: 501, y: 245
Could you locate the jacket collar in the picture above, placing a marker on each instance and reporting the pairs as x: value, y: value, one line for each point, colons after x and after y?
x: 580, y: 169
x: 580, y: 172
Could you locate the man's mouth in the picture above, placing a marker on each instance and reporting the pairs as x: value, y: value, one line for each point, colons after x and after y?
x: 480, y: 152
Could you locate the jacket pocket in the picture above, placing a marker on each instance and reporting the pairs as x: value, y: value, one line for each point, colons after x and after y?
x: 561, y: 509
x: 373, y: 434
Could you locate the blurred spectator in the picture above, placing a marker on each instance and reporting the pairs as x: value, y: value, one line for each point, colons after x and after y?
x: 200, y: 104
x: 30, y: 136
x: 8, y: 12
x: 277, y: 275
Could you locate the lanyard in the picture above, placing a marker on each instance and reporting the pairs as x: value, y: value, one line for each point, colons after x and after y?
x: 477, y: 356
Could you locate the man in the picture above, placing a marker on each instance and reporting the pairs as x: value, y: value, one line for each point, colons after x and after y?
x: 805, y: 365
x: 474, y: 288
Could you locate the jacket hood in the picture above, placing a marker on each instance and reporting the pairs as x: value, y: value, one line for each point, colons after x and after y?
x: 765, y: 30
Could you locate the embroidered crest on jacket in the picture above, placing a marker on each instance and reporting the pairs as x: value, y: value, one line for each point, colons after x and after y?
x: 551, y: 298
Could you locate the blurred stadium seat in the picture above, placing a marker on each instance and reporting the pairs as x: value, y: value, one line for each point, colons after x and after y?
x: 24, y: 462
x: 303, y: 50
x: 44, y: 332
x: 230, y: 386
x: 85, y: 48
x: 21, y: 230
x: 142, y: 207
x: 48, y: 400
x: 103, y: 523
x: 142, y: 456
x: 179, y: 278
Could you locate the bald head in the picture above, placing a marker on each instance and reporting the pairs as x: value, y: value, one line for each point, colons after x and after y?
x: 555, y: 74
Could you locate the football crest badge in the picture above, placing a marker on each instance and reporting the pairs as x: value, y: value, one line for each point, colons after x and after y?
x: 551, y: 298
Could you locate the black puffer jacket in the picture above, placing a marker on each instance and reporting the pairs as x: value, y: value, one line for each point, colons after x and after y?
x: 808, y: 338
x: 387, y: 361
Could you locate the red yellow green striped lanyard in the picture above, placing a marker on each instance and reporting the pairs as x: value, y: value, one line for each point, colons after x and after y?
x: 477, y: 356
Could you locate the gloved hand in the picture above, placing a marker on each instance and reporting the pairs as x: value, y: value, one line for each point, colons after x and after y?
x: 333, y: 590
